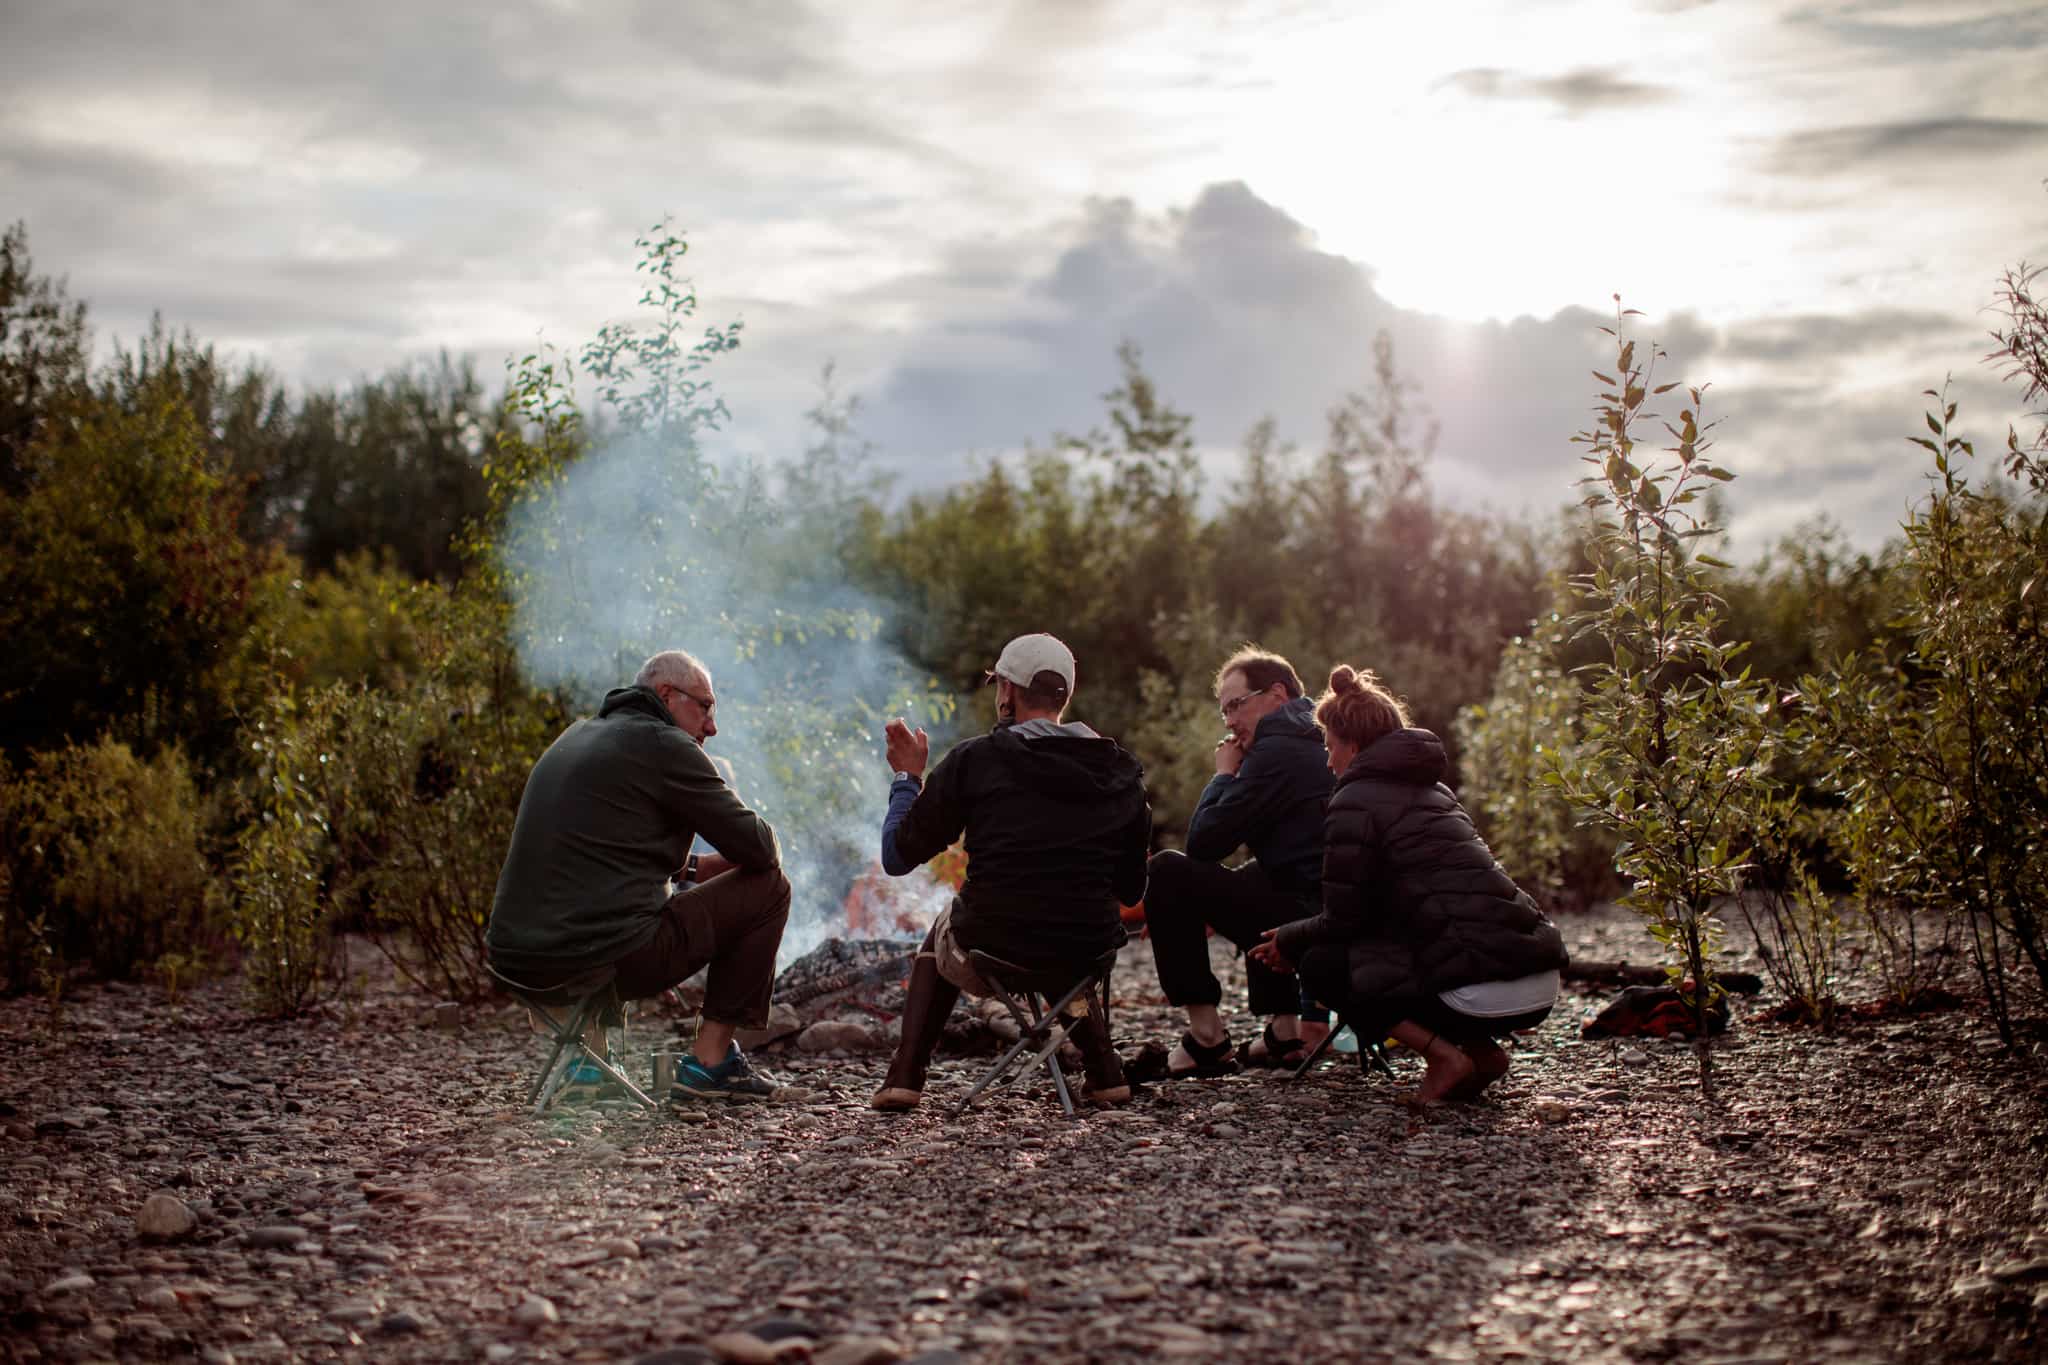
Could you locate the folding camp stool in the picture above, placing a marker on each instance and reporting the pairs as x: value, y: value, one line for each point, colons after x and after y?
x: 585, y: 999
x: 1371, y: 1056
x: 1021, y: 989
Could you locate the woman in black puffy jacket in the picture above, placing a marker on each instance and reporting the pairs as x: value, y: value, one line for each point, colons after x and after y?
x: 1421, y: 935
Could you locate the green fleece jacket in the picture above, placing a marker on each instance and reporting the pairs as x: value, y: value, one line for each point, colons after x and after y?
x: 607, y: 817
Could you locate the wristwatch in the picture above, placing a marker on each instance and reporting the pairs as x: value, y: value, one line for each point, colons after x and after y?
x: 690, y: 870
x: 900, y: 776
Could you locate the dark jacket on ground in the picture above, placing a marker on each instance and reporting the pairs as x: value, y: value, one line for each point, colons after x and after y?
x: 1274, y: 805
x: 608, y: 815
x: 1057, y: 831
x: 1412, y: 888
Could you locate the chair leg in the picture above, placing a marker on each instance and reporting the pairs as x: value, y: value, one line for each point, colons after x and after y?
x: 1059, y: 1079
x: 1029, y: 1034
x: 564, y: 1034
x: 569, y: 1045
x: 992, y: 1074
x: 604, y: 1064
x: 1315, y: 1055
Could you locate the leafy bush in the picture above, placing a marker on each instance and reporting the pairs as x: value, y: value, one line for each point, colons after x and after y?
x: 102, y: 865
x: 277, y: 911
x: 127, y: 579
x: 1795, y: 922
x: 1943, y: 752
x: 1527, y: 727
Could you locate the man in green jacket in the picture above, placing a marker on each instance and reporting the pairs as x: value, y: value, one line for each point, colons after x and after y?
x: 607, y: 820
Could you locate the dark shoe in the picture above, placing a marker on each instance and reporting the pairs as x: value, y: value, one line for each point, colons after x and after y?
x: 1218, y: 1060
x: 1272, y: 1051
x: 929, y: 1004
x: 1146, y: 1065
x: 732, y: 1079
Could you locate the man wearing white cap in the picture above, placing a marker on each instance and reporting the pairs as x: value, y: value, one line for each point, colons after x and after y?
x: 1057, y: 828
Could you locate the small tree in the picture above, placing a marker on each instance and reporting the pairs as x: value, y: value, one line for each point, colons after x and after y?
x: 1675, y: 732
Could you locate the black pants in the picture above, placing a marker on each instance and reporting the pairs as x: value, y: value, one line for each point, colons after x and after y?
x: 1183, y: 898
x: 1326, y: 974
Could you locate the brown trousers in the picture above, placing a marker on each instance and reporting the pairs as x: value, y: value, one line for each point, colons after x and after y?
x: 733, y: 924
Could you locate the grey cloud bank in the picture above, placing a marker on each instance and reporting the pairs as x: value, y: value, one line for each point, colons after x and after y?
x: 968, y: 212
x: 1241, y: 316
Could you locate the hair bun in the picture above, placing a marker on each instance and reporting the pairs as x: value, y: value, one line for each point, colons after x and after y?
x: 1343, y: 678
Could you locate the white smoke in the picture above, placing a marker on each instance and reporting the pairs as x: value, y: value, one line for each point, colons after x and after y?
x: 642, y: 546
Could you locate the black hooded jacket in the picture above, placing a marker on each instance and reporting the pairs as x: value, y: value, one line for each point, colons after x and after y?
x: 1057, y: 831
x: 1412, y: 888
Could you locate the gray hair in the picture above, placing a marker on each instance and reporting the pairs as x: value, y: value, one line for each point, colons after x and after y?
x: 673, y: 667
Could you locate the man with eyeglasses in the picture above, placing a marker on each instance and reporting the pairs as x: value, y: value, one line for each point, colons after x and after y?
x: 1272, y: 781
x: 606, y: 822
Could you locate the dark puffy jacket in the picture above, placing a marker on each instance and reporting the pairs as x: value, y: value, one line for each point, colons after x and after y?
x: 1410, y: 885
x: 1057, y: 829
x: 1274, y: 805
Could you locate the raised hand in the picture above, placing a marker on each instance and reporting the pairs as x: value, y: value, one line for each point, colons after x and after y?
x: 907, y: 752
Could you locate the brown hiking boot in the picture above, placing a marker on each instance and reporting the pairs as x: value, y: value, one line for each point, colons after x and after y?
x: 1104, y: 1069
x: 925, y: 1012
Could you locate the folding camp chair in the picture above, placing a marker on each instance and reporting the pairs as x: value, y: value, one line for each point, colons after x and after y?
x: 582, y: 1001
x: 1020, y: 989
x: 1372, y: 1056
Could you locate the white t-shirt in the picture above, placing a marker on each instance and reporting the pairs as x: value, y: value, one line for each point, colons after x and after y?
x: 1499, y: 999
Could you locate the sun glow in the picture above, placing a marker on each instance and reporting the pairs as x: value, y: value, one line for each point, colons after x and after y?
x: 1475, y: 207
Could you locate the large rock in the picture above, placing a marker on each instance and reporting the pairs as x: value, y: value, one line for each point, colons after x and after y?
x: 782, y: 1023
x: 838, y: 1035
x: 164, y: 1218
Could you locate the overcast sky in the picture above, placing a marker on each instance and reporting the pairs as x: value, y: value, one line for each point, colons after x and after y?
x: 1812, y: 203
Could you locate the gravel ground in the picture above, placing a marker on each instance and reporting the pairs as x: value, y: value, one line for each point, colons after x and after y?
x: 366, y: 1185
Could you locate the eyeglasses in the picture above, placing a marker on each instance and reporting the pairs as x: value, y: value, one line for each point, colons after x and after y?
x: 1229, y: 708
x: 709, y: 704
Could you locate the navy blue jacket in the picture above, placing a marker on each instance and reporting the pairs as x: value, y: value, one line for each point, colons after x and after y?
x: 1274, y: 805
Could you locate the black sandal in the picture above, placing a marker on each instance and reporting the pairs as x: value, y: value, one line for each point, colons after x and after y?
x: 1286, y: 1053
x: 1218, y: 1060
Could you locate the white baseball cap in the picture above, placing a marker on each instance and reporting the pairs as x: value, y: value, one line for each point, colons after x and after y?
x: 1027, y: 656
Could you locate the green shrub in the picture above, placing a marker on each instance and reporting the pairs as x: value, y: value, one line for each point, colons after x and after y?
x: 103, y: 863
x: 1527, y: 727
x: 1797, y: 926
x: 277, y: 908
x: 1943, y: 753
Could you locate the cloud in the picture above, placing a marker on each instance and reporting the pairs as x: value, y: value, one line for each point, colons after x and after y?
x: 1241, y: 315
x: 1824, y: 151
x: 1808, y: 337
x: 1583, y: 91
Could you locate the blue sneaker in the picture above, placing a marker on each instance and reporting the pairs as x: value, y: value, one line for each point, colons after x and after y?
x: 732, y: 1079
